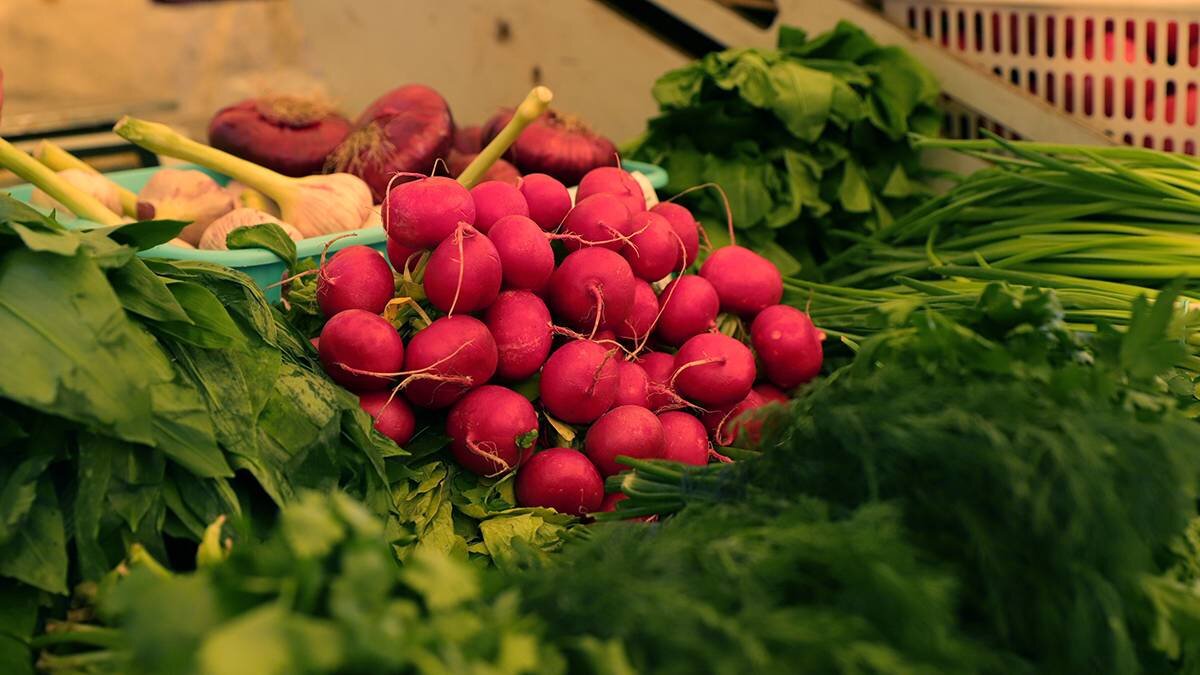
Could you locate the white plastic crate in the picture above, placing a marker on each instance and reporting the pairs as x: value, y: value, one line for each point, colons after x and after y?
x: 1133, y: 69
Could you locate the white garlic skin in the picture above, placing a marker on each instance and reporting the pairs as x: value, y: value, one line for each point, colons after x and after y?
x: 95, y: 185
x: 214, y: 237
x: 326, y: 204
x: 184, y: 194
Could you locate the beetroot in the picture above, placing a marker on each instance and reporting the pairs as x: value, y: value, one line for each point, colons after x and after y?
x: 684, y: 438
x: 357, y: 277
x: 788, y: 345
x: 686, y: 228
x: 632, y: 385
x: 660, y: 367
x: 520, y: 324
x: 555, y: 144
x: 404, y: 130
x: 500, y: 170
x: 289, y: 134
x: 445, y: 360
x: 592, y: 287
x: 579, y: 381
x: 714, y: 370
x: 392, y: 414
x: 642, y: 314
x: 401, y: 256
x: 745, y: 281
x: 360, y: 350
x: 548, y: 200
x: 495, y: 200
x: 728, y: 424
x: 421, y: 213
x: 599, y: 220
x: 689, y: 307
x: 625, y: 430
x: 615, y: 181
x: 491, y: 429
x: 561, y: 479
x: 463, y: 274
x: 653, y: 248
x: 526, y: 258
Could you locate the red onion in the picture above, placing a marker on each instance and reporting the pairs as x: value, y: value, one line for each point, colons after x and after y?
x: 499, y: 170
x: 405, y: 130
x: 559, y: 145
x: 468, y: 140
x: 289, y: 134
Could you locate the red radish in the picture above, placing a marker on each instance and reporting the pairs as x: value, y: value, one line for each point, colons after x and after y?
x: 604, y: 335
x: 445, y: 360
x: 642, y: 314
x: 315, y: 342
x: 290, y: 134
x: 526, y: 258
x: 728, y: 424
x: 355, y: 343
x: 579, y: 381
x: 468, y: 139
x: 686, y: 228
x: 653, y: 247
x: 745, y: 281
x: 490, y: 430
x: 393, y: 416
x: 689, y: 307
x: 422, y: 213
x: 561, y: 479
x: 714, y: 370
x: 555, y: 144
x: 548, y: 200
x: 405, y: 130
x: 357, y: 277
x: 500, y: 170
x: 520, y: 324
x: 685, y: 438
x: 463, y: 274
x: 788, y: 345
x: 632, y: 385
x: 659, y: 368
x: 615, y: 181
x: 592, y: 287
x: 495, y: 200
x: 400, y: 255
x: 625, y: 430
x: 599, y: 220
x: 771, y: 394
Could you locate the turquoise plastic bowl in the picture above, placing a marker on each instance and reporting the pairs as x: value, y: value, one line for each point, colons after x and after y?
x: 264, y: 267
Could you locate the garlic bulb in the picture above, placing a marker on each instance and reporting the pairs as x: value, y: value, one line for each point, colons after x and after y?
x: 250, y: 198
x: 180, y: 243
x: 181, y: 194
x: 95, y: 185
x: 214, y: 236
x: 315, y: 205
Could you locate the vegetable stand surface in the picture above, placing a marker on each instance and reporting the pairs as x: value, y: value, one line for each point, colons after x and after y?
x: 262, y: 266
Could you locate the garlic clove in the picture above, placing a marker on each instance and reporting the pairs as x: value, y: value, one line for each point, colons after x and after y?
x: 214, y: 237
x: 184, y: 194
x: 95, y: 185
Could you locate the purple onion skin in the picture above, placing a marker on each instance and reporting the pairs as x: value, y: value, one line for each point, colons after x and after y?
x: 293, y: 146
x: 499, y: 170
x: 403, y: 131
x: 560, y: 146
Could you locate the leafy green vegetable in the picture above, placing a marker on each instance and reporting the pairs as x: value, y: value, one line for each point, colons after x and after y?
x: 322, y: 594
x: 267, y: 235
x: 1049, y: 472
x: 804, y: 140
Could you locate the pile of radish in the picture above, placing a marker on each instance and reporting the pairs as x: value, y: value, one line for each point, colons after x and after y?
x: 600, y: 301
